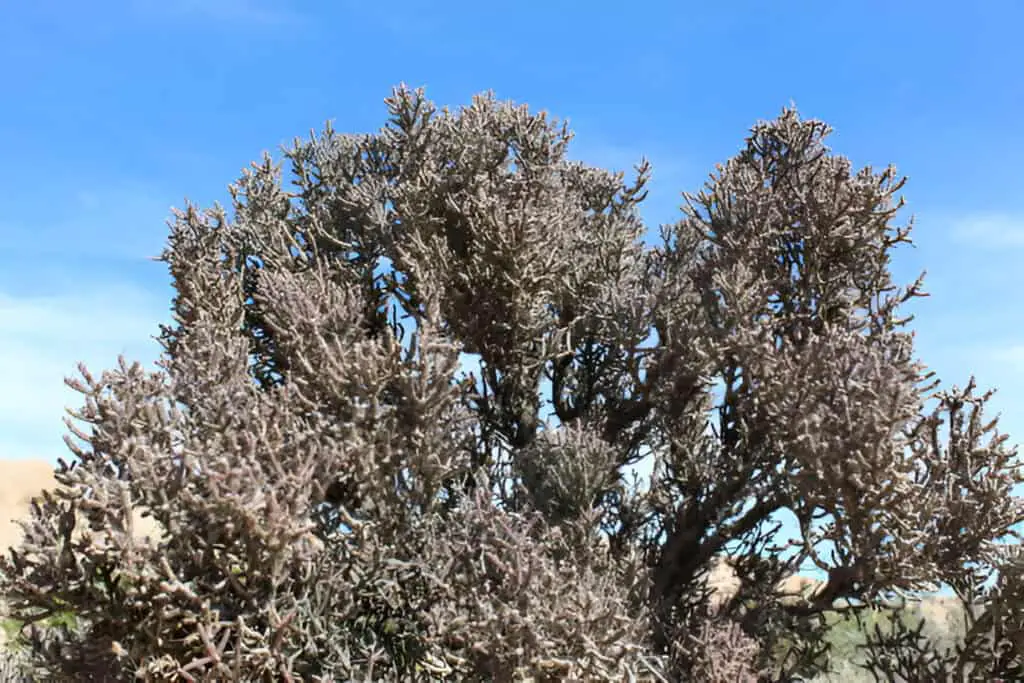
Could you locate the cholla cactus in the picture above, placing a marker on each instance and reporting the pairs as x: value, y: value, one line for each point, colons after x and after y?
x: 396, y: 418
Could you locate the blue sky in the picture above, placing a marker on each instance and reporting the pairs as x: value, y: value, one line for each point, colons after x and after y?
x: 115, y: 111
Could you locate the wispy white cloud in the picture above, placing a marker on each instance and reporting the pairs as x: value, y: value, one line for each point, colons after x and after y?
x: 620, y: 157
x: 998, y: 365
x: 991, y: 230
x: 670, y: 173
x: 122, y: 221
x: 247, y: 12
x: 411, y: 21
x: 41, y: 342
x: 1010, y: 357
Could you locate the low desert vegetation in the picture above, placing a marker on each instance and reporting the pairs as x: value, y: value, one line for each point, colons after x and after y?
x: 431, y: 408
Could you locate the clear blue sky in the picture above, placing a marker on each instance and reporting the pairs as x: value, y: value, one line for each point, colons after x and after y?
x: 115, y: 111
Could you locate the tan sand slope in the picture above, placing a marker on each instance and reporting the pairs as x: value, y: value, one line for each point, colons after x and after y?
x: 724, y: 584
x: 23, y: 480
x: 20, y: 481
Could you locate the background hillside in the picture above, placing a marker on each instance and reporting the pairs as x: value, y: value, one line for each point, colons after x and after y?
x: 22, y: 480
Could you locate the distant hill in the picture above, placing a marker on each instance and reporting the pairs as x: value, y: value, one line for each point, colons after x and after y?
x: 20, y: 482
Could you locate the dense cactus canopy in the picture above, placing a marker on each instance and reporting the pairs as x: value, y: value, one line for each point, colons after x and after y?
x: 432, y: 408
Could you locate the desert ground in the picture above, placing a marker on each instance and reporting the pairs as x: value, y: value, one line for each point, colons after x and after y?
x: 22, y: 480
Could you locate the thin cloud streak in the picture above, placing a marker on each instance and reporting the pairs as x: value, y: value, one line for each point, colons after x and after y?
x: 991, y: 231
x: 247, y: 12
x: 42, y: 341
x: 1011, y: 357
x: 120, y: 222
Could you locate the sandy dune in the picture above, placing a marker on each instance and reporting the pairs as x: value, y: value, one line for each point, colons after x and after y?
x: 723, y: 581
x: 20, y: 481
